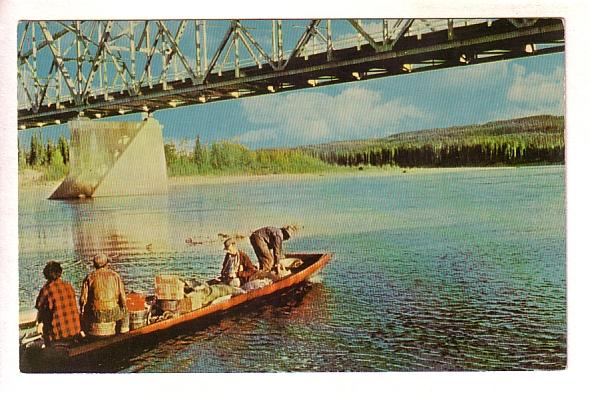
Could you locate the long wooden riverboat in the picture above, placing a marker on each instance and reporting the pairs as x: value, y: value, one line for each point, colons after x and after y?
x: 312, y: 263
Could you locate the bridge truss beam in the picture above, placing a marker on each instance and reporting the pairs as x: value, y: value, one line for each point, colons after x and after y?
x: 175, y: 69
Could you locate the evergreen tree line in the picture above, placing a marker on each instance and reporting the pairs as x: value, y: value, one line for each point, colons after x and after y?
x: 518, y: 149
x: 40, y: 154
x: 50, y: 157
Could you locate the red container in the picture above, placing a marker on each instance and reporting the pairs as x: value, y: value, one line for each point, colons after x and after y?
x: 135, y: 301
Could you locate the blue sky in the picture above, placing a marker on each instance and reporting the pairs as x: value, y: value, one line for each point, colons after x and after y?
x: 375, y: 108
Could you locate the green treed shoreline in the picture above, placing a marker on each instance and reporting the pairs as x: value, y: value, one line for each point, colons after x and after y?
x: 523, y: 141
x: 535, y: 140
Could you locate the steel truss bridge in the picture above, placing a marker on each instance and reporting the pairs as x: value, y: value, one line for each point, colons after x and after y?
x: 99, y: 69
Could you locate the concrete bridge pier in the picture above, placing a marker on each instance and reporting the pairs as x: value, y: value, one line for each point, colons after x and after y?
x: 114, y: 159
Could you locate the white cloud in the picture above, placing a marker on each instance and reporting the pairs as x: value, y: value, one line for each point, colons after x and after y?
x: 498, y: 90
x: 263, y: 136
x: 537, y: 89
x: 534, y: 93
x: 310, y: 117
x: 523, y: 92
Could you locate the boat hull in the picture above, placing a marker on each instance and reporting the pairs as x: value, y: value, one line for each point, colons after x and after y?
x: 86, y: 355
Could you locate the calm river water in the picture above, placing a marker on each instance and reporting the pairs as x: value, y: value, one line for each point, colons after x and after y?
x: 432, y: 270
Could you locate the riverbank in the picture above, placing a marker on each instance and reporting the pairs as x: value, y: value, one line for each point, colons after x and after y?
x: 345, y: 172
x: 34, y: 179
x: 29, y: 176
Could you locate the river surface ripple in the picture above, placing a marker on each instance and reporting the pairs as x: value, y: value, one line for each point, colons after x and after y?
x: 439, y: 270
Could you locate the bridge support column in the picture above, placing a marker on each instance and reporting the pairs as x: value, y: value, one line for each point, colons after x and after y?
x: 114, y: 159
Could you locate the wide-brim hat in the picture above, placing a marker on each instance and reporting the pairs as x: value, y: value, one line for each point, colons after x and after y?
x: 290, y: 229
x: 228, y: 243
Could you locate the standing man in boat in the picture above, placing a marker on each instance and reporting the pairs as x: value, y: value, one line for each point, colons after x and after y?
x: 58, y: 318
x: 268, y: 245
x: 237, y: 268
x: 103, y: 295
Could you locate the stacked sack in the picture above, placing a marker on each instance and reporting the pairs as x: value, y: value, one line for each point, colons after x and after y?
x: 176, y: 296
x: 202, y: 294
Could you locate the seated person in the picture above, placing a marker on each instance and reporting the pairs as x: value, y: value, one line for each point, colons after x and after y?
x: 58, y: 318
x: 237, y: 267
x: 103, y: 295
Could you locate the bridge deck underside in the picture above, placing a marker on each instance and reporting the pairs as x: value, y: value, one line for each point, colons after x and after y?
x: 469, y: 45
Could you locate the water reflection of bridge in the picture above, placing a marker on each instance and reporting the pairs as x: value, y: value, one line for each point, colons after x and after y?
x: 107, y: 68
x: 118, y: 233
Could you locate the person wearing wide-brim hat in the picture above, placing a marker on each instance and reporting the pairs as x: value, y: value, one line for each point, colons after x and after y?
x: 237, y: 268
x: 268, y: 245
x: 103, y: 294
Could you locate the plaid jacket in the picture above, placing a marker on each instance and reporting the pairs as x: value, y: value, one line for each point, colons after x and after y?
x: 58, y: 310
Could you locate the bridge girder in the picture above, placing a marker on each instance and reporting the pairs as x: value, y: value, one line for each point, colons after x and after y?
x: 176, y: 70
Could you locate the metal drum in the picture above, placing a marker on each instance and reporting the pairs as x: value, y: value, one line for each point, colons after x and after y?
x: 168, y: 305
x: 125, y: 323
x: 138, y: 319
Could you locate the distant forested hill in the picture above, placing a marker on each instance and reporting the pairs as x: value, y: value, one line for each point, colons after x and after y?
x: 529, y: 140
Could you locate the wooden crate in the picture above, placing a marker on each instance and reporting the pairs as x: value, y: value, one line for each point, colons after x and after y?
x: 169, y: 287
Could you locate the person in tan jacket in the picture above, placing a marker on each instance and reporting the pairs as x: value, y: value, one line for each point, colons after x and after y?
x: 103, y: 294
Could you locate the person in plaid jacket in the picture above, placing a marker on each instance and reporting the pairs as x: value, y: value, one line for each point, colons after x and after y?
x: 58, y: 318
